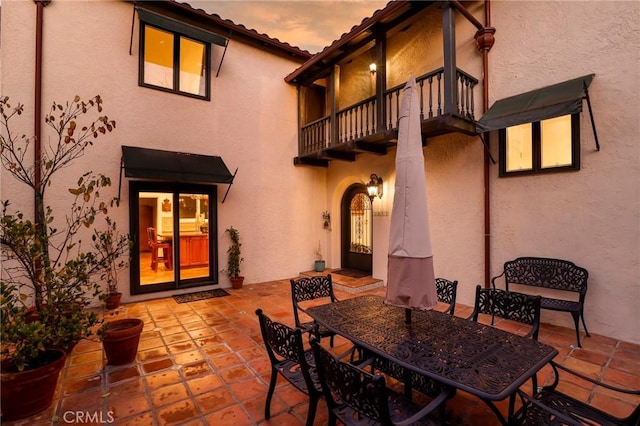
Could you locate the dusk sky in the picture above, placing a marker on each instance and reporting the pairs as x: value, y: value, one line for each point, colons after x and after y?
x: 308, y: 24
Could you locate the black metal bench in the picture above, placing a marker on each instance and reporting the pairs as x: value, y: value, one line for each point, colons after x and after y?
x: 553, y: 274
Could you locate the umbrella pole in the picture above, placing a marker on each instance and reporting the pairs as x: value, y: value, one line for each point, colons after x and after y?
x: 407, y: 316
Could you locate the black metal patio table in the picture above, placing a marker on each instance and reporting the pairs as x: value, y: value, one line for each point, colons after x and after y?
x: 482, y: 360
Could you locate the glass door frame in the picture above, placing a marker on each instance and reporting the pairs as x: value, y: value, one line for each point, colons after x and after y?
x: 137, y: 187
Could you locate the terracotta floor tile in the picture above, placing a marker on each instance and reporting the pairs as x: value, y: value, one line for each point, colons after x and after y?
x: 214, y: 400
x: 196, y: 369
x: 126, y: 389
x: 82, y: 358
x: 225, y: 361
x: 234, y: 415
x: 85, y: 345
x: 156, y: 365
x: 166, y: 331
x: 248, y: 389
x: 163, y: 378
x: 176, y: 338
x: 84, y: 384
x: 181, y: 347
x: 204, y: 384
x: 144, y: 419
x: 85, y: 369
x: 168, y: 394
x: 235, y: 374
x: 82, y: 401
x: 201, y: 332
x: 208, y: 341
x: 168, y: 324
x: 179, y: 412
x: 190, y: 357
x: 150, y: 343
x: 121, y: 373
x: 127, y: 407
x: 152, y: 354
x: 216, y: 350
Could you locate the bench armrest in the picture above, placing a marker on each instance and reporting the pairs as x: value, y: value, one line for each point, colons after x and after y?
x: 493, y: 280
x: 529, y: 402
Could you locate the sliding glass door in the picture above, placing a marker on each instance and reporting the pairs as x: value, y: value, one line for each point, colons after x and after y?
x: 175, y: 235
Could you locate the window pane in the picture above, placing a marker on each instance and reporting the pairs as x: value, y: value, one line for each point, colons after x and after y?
x: 192, y: 66
x: 519, y: 148
x: 158, y: 57
x: 555, y: 141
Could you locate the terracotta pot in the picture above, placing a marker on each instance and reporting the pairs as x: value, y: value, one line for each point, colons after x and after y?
x: 236, y: 282
x: 28, y: 392
x: 113, y: 301
x: 120, y: 340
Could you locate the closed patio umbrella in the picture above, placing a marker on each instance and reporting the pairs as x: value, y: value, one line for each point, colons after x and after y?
x: 410, y: 275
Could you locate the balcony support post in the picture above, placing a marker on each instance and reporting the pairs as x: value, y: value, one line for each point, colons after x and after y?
x: 381, y: 81
x: 450, y: 78
x: 334, y: 95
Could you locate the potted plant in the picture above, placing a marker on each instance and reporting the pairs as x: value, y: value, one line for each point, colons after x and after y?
x: 320, y: 263
x: 108, y: 245
x: 48, y: 279
x: 234, y: 258
x: 120, y: 339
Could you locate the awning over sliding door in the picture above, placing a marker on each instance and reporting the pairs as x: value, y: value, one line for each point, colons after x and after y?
x: 540, y: 104
x: 145, y: 163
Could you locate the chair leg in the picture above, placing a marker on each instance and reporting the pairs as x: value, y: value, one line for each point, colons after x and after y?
x: 576, y: 318
x: 272, y: 388
x: 331, y: 340
x: 584, y: 325
x: 313, y: 405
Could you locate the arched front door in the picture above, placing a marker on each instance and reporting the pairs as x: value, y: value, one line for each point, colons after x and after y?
x: 357, y: 229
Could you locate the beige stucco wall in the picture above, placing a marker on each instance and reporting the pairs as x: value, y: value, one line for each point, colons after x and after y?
x: 592, y: 216
x: 250, y: 122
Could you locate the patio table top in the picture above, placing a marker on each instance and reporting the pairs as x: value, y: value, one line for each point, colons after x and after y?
x: 482, y: 360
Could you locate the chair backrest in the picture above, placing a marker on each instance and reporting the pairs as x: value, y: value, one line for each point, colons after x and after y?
x: 152, y: 235
x: 509, y: 305
x: 364, y: 392
x: 447, y: 291
x: 310, y: 288
x: 282, y: 342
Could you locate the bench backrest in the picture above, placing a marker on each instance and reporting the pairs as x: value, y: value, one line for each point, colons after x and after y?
x: 548, y: 273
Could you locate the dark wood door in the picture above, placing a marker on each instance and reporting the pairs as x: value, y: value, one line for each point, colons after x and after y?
x: 357, y: 229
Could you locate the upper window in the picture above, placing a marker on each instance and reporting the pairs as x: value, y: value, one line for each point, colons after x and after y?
x: 173, y: 62
x: 541, y: 146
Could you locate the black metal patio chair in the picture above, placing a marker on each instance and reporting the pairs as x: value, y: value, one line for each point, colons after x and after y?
x: 552, y: 407
x: 447, y: 291
x: 509, y: 305
x: 307, y: 289
x: 357, y: 397
x: 288, y: 357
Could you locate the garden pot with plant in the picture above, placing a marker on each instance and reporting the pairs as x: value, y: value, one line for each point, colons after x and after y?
x: 320, y: 263
x: 48, y: 279
x: 234, y: 258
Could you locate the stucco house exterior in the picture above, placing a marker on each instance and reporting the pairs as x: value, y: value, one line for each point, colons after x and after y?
x: 285, y: 119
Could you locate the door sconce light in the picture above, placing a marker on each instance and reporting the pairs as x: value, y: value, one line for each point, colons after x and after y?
x: 374, y: 187
x: 372, y: 68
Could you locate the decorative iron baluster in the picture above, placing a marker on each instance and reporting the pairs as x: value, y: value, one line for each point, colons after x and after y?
x: 390, y: 114
x: 439, y: 95
x: 368, y: 130
x: 431, y: 96
x: 421, y: 100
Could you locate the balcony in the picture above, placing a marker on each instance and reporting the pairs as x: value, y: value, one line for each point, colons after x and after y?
x: 365, y: 127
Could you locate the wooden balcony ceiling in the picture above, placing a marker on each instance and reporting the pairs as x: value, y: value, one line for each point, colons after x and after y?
x: 394, y: 17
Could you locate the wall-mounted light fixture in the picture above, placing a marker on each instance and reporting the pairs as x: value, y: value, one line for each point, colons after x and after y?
x: 374, y: 187
x: 372, y: 68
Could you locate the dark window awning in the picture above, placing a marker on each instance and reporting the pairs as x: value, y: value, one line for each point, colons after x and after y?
x: 548, y: 102
x: 180, y: 27
x: 155, y: 164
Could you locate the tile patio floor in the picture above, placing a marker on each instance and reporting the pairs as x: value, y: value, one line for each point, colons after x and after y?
x: 203, y: 363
